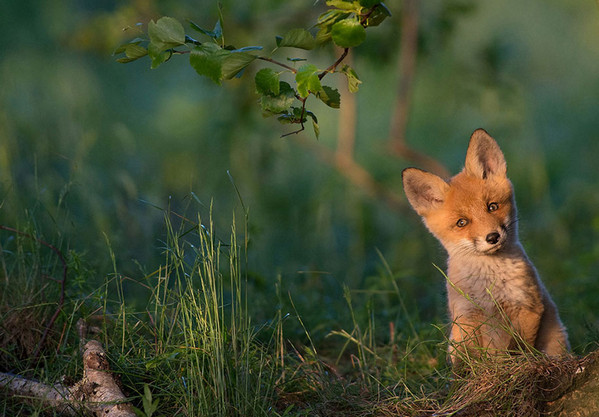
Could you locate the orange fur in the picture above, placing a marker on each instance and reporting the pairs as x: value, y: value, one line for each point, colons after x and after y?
x: 496, y: 299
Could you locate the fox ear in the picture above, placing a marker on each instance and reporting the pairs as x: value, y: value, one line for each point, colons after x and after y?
x: 425, y: 191
x: 484, y: 158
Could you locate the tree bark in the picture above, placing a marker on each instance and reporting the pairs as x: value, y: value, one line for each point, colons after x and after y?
x: 56, y: 396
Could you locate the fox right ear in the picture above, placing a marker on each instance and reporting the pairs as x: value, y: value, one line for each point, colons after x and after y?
x: 484, y: 158
x: 425, y: 191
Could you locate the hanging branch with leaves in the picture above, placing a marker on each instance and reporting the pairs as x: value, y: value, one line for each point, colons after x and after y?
x: 344, y: 24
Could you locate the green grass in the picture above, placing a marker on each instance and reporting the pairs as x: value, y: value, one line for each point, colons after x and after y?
x: 192, y: 349
x: 194, y: 343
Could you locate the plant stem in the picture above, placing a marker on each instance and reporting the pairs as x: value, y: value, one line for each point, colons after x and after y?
x: 301, y: 122
x: 264, y: 58
x: 334, y: 65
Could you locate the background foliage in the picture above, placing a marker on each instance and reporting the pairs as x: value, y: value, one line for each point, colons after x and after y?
x: 90, y: 150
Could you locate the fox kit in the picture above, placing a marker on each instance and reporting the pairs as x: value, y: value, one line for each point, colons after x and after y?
x: 495, y: 296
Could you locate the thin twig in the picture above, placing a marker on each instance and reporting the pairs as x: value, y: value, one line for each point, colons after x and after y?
x: 301, y: 122
x: 334, y: 65
x: 274, y: 61
x: 364, y: 19
x: 295, y: 132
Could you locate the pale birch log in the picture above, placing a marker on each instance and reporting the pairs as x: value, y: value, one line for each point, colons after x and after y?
x: 96, y: 394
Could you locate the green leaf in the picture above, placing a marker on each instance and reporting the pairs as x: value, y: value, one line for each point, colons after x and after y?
x: 293, y: 115
x: 348, y: 33
x: 296, y: 115
x: 234, y: 62
x: 206, y: 32
x: 279, y: 103
x: 307, y: 80
x: 326, y: 22
x: 207, y: 60
x: 316, y: 128
x: 121, y: 49
x: 329, y: 96
x: 216, y: 33
x: 218, y: 28
x: 368, y: 3
x: 157, y: 56
x: 149, y: 406
x: 138, y: 412
x: 133, y: 52
x: 166, y: 33
x: 344, y: 4
x: 331, y: 16
x: 353, y: 82
x: 323, y: 35
x: 314, y: 123
x: 267, y: 82
x: 248, y: 49
x: 378, y: 15
x: 296, y: 38
x: 216, y: 63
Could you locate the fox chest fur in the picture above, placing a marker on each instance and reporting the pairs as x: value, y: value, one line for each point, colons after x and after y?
x: 495, y: 297
x: 493, y: 283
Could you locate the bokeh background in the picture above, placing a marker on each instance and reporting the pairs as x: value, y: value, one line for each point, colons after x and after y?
x: 92, y: 152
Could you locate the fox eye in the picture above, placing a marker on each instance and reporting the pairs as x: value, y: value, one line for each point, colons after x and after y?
x: 492, y: 207
x: 461, y: 223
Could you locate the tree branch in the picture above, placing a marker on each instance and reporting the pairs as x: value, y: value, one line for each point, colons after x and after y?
x: 334, y: 65
x: 55, y: 396
x: 356, y: 175
x: 401, y: 113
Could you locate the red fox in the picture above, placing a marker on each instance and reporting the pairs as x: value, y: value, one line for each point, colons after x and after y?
x: 496, y: 299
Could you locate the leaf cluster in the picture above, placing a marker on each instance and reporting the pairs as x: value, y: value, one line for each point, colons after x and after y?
x: 343, y: 24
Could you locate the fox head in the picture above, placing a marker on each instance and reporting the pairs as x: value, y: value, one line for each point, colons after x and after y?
x: 474, y: 212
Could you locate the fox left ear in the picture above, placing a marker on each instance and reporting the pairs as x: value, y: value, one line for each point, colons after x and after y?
x: 484, y: 158
x: 425, y: 191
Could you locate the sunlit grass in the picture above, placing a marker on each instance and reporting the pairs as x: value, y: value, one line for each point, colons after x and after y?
x: 199, y: 347
x: 192, y: 348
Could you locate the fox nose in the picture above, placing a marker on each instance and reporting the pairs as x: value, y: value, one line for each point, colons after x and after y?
x: 492, y: 238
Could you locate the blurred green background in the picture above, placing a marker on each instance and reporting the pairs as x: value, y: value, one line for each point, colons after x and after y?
x: 90, y: 149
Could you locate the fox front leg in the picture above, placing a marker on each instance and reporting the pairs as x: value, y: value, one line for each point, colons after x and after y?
x: 526, y: 324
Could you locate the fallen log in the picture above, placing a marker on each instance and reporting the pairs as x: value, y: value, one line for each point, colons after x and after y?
x: 96, y: 394
x: 57, y: 396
